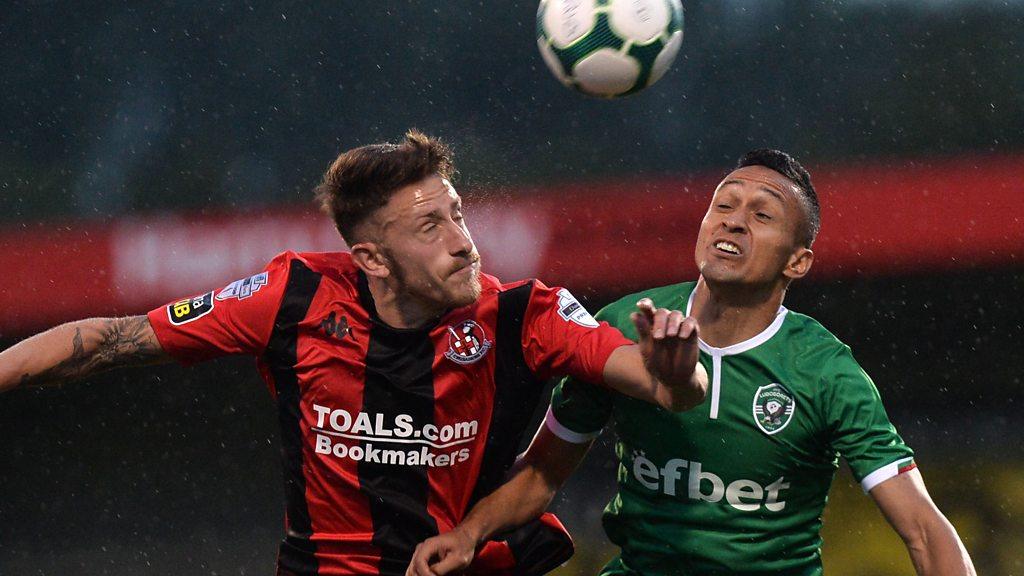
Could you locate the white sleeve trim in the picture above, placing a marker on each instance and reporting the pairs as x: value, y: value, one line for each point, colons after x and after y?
x: 882, y: 474
x: 564, y: 433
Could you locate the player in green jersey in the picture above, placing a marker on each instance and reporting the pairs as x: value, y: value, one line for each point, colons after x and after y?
x: 738, y: 484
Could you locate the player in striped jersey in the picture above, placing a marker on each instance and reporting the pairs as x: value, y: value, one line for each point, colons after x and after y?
x: 404, y: 377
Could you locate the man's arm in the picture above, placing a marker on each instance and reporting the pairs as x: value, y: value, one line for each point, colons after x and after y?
x: 77, y: 349
x: 662, y: 368
x: 535, y: 479
x: 933, y: 543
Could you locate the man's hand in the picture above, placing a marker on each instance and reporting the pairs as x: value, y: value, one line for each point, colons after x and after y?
x: 443, y: 554
x: 669, y: 345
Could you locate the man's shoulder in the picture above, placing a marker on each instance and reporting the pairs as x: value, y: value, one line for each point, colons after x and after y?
x: 493, y: 285
x: 811, y: 334
x: 336, y: 267
x: 815, y: 347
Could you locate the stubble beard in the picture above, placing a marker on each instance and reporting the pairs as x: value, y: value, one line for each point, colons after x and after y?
x: 451, y: 295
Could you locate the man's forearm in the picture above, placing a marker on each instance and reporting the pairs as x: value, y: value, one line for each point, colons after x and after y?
x: 522, y: 499
x: 938, y: 551
x: 76, y: 349
x: 934, y: 546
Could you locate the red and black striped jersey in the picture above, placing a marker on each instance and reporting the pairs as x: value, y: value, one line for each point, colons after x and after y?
x: 388, y: 435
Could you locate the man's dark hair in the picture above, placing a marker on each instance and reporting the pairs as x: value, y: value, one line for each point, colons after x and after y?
x: 788, y: 166
x: 362, y: 180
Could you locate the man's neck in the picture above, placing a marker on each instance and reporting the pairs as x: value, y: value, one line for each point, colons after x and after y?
x: 729, y: 315
x: 399, y: 309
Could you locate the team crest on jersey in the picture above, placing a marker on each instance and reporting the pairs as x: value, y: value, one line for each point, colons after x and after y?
x: 467, y: 343
x: 242, y: 289
x: 570, y: 309
x: 189, y: 309
x: 773, y: 408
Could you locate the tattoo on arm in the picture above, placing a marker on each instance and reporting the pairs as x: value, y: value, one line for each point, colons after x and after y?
x: 121, y: 342
x: 127, y: 342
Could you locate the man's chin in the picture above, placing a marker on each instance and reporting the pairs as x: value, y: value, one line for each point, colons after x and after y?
x: 465, y: 294
x: 722, y: 275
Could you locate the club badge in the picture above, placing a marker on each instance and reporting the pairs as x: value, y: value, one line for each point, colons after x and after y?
x: 467, y: 343
x: 773, y: 408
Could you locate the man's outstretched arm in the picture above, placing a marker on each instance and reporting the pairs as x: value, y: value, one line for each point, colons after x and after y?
x: 933, y: 543
x: 535, y: 479
x: 662, y: 368
x: 77, y: 349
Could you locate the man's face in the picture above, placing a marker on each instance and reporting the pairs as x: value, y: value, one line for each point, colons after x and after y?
x: 750, y: 232
x: 428, y: 247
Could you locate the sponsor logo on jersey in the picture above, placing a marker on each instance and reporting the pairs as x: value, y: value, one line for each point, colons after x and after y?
x: 360, y: 436
x: 242, y: 289
x: 688, y: 479
x: 773, y: 408
x: 189, y: 309
x: 467, y: 343
x: 570, y: 309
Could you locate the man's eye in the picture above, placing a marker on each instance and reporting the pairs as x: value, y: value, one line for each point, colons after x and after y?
x: 763, y: 216
x: 723, y: 206
x: 428, y: 227
x: 457, y: 217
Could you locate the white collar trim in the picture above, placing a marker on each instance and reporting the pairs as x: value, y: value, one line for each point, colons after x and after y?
x: 750, y: 344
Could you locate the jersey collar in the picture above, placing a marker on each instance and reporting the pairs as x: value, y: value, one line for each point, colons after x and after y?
x: 749, y: 344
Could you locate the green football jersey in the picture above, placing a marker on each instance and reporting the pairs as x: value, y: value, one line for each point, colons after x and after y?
x: 738, y: 484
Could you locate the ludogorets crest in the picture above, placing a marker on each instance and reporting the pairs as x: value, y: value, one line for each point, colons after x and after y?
x: 467, y: 343
x: 773, y: 408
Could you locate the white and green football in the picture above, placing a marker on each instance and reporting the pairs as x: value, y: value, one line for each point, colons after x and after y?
x: 609, y: 48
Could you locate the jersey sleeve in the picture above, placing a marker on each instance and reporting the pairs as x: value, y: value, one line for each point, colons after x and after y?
x: 235, y: 319
x: 859, y: 427
x: 579, y: 411
x: 560, y: 338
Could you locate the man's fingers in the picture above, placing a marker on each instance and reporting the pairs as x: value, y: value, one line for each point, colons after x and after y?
x: 646, y: 307
x: 673, y: 323
x: 420, y: 564
x: 689, y: 328
x: 642, y: 323
x: 449, y: 564
x: 660, y: 324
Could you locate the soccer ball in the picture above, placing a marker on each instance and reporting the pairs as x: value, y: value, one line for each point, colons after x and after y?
x: 609, y: 48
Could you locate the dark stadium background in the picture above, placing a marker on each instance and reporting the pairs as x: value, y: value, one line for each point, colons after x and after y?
x: 120, y: 121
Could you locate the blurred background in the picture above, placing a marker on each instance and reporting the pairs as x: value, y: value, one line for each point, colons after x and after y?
x: 149, y: 151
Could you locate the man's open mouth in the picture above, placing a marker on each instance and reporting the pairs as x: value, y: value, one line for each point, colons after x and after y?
x: 728, y: 247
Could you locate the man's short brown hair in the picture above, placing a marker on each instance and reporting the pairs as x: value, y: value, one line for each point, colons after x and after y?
x: 362, y: 180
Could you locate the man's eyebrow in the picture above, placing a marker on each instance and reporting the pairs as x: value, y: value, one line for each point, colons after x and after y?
x: 434, y: 214
x: 773, y: 193
x: 761, y: 188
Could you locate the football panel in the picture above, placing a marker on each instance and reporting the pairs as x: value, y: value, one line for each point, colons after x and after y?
x: 665, y: 58
x: 641, y: 21
x: 676, y: 25
x: 600, y: 37
x: 568, y: 21
x: 552, y: 61
x: 606, y: 72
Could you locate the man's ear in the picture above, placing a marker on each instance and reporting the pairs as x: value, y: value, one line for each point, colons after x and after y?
x: 799, y: 263
x: 371, y: 259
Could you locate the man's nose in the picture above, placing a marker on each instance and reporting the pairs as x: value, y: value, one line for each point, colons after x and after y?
x: 734, y: 223
x: 459, y: 240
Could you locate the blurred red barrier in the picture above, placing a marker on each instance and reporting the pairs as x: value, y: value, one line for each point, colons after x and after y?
x: 607, y: 237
